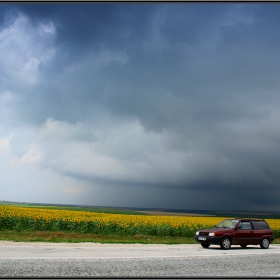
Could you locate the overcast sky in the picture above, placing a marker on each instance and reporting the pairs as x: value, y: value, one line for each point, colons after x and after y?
x: 141, y: 105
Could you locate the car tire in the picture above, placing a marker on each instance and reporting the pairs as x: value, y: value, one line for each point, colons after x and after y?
x: 205, y: 245
x: 225, y: 243
x: 243, y: 246
x: 264, y: 243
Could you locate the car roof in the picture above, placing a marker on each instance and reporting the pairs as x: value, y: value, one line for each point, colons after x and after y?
x: 249, y: 219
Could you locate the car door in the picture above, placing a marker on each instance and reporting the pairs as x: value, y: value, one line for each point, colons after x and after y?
x: 244, y: 234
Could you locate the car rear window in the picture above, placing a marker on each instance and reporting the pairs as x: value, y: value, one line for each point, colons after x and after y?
x: 260, y: 225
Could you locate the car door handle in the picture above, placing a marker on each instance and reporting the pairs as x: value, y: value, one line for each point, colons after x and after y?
x: 251, y: 231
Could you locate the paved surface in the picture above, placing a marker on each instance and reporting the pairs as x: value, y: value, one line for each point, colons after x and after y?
x: 105, y: 260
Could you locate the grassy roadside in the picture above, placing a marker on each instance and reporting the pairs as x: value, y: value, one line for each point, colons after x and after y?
x: 73, y: 237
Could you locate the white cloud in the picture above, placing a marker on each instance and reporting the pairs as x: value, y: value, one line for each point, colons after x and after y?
x: 32, y: 156
x: 47, y: 28
x: 22, y: 48
x: 29, y: 71
x: 64, y: 131
x: 5, y: 143
x: 121, y: 154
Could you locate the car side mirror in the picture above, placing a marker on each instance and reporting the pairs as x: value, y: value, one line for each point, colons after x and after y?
x: 239, y: 227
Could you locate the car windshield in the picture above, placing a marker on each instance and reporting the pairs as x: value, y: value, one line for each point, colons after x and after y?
x: 227, y: 224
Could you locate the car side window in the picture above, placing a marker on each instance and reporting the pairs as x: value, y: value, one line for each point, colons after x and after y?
x: 246, y: 225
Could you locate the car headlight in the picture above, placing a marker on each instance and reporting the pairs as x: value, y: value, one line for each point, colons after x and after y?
x: 212, y: 234
x: 197, y: 233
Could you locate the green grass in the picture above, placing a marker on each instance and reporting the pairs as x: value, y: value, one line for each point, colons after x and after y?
x: 73, y: 237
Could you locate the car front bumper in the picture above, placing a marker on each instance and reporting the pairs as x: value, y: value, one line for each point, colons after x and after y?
x: 208, y: 239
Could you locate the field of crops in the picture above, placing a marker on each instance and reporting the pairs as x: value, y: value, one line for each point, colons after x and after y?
x: 22, y: 218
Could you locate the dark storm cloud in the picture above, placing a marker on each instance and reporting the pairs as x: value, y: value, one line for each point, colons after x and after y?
x: 150, y: 73
x: 187, y: 23
x: 80, y: 30
x: 199, y: 83
x: 82, y: 26
x: 213, y: 82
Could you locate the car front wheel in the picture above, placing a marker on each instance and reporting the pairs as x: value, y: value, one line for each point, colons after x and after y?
x: 205, y: 245
x: 264, y: 243
x: 225, y: 243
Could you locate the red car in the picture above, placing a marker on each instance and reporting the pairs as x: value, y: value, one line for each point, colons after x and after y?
x: 236, y: 231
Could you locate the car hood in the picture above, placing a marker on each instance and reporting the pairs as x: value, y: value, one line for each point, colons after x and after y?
x: 214, y: 229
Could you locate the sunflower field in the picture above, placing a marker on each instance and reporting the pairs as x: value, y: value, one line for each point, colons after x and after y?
x: 29, y: 219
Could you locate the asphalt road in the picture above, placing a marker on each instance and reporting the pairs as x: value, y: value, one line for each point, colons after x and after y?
x: 136, y: 260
